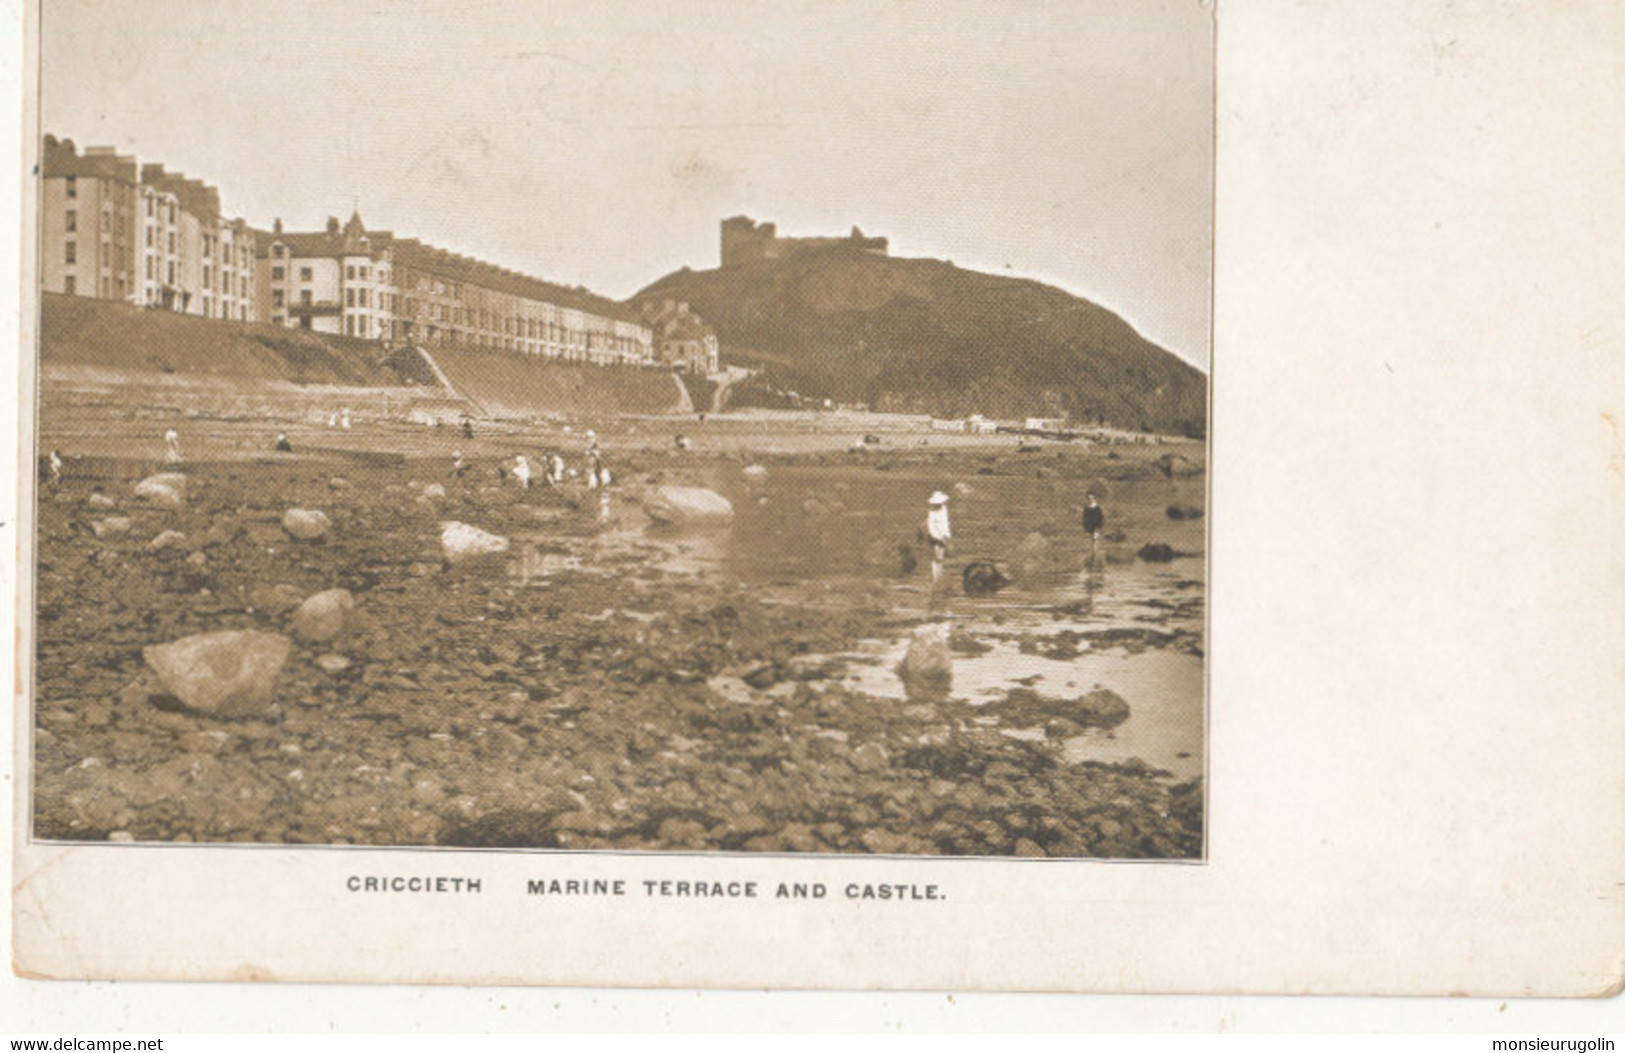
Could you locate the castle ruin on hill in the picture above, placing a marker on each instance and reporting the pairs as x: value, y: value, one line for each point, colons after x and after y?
x: 746, y: 241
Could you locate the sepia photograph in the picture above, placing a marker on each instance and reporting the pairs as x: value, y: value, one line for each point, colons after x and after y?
x: 767, y: 428
x: 989, y: 508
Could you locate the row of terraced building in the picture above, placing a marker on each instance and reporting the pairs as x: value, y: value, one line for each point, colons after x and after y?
x: 113, y: 229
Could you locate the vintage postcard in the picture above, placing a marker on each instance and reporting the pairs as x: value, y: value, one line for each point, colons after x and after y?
x: 705, y: 494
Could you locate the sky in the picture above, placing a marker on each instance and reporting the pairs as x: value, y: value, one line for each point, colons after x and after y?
x: 601, y: 143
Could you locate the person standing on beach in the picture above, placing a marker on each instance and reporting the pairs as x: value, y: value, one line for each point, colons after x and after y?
x: 172, y: 446
x: 521, y: 470
x: 56, y: 468
x: 595, y: 462
x: 938, y: 532
x: 282, y: 444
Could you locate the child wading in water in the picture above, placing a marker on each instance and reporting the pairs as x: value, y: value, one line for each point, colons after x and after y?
x: 938, y: 532
x: 1094, y: 520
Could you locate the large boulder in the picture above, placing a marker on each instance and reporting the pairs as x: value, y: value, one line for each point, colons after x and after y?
x: 461, y: 543
x: 680, y: 505
x: 229, y: 674
x: 166, y: 489
x: 1157, y: 552
x: 306, y: 524
x: 325, y: 616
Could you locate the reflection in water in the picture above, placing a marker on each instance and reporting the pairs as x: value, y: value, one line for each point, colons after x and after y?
x: 847, y: 537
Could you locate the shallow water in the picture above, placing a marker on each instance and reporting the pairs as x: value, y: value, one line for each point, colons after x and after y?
x: 830, y: 536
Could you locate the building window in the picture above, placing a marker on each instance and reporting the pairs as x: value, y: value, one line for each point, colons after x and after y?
x: 349, y: 273
x: 349, y: 325
x: 73, y: 187
x: 276, y: 297
x: 304, y: 297
x: 149, y: 237
x: 276, y: 251
x: 276, y: 274
x: 150, y: 274
x: 304, y: 274
x: 172, y: 273
x: 70, y: 253
x: 172, y: 242
x: 349, y: 297
x: 206, y: 275
x: 172, y: 211
x: 208, y: 246
x: 151, y: 202
x: 73, y: 221
x: 243, y: 287
x: 67, y: 284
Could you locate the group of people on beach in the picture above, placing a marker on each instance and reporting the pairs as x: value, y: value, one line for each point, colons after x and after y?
x: 939, y: 530
x: 554, y: 471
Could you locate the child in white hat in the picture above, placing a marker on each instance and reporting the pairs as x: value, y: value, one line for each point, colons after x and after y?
x: 937, y: 531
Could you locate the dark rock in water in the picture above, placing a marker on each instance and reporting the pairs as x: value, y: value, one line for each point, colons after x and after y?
x: 274, y: 599
x: 1184, y: 512
x: 1023, y: 707
x: 983, y: 579
x: 1157, y: 552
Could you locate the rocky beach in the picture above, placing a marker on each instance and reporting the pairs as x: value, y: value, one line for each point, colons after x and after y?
x: 735, y: 647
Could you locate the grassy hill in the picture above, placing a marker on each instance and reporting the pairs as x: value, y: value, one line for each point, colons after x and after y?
x: 79, y: 331
x: 923, y: 336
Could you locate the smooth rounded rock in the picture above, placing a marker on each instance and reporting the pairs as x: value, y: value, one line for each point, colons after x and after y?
x: 306, y: 524
x: 325, y: 616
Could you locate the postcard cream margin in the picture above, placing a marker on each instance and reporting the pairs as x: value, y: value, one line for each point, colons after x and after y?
x: 1416, y: 660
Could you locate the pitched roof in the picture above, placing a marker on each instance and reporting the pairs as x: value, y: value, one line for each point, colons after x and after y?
x: 412, y: 254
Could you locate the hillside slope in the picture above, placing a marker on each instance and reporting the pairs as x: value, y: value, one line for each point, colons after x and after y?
x: 509, y: 384
x: 923, y: 336
x: 79, y: 331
